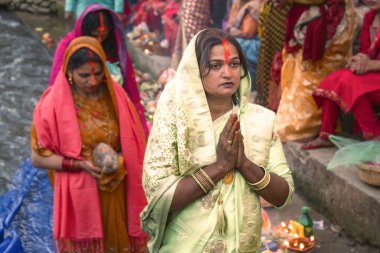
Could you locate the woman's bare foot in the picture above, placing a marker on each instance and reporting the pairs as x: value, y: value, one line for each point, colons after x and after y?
x: 317, y: 143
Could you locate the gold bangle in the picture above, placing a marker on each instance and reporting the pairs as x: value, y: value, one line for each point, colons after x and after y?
x: 199, y: 183
x: 264, y: 182
x: 261, y: 180
x: 207, y: 177
x: 206, y: 184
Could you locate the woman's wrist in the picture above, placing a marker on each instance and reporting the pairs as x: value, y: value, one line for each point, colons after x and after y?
x: 246, y: 166
x: 203, y: 180
x: 262, y: 183
x: 221, y: 167
x: 70, y: 165
x: 373, y: 65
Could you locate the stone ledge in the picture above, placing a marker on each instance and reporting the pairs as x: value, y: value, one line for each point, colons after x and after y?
x: 337, y: 194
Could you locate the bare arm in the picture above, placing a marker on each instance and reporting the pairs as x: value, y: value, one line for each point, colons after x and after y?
x: 276, y: 192
x: 361, y: 64
x: 374, y: 65
x: 188, y: 190
x: 54, y: 162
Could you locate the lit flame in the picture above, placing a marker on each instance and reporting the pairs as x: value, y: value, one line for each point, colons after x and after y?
x: 296, y: 235
x: 312, y: 238
x: 283, y: 224
x: 286, y: 230
x: 295, y: 244
x: 146, y: 51
x: 286, y: 244
x: 302, y: 246
x: 290, y: 227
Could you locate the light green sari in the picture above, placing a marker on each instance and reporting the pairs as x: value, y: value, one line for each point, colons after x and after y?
x: 182, y: 140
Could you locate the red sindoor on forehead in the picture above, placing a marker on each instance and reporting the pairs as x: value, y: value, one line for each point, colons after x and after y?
x: 93, y: 65
x: 101, y: 26
x: 226, y: 50
x: 226, y: 55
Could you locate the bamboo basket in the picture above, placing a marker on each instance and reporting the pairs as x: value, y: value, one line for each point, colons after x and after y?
x: 369, y: 173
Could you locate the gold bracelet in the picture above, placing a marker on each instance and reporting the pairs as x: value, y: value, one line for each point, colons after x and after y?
x: 262, y: 179
x: 206, y: 184
x: 199, y: 183
x: 262, y: 183
x: 207, y: 177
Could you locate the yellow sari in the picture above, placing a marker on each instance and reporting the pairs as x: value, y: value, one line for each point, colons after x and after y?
x: 298, y: 115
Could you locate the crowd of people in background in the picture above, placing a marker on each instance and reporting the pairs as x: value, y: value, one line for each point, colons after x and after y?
x: 291, y: 47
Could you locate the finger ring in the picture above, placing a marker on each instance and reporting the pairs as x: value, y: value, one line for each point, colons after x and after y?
x: 229, y: 142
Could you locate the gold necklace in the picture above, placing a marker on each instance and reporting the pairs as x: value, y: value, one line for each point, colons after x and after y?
x: 92, y: 119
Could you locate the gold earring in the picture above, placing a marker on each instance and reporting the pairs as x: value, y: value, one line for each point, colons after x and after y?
x: 71, y: 79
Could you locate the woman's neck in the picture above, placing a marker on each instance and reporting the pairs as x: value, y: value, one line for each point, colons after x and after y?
x: 218, y: 107
x: 92, y: 96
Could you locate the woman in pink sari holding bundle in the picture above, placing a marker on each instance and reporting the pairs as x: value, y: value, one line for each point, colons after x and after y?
x: 86, y: 131
x: 355, y: 88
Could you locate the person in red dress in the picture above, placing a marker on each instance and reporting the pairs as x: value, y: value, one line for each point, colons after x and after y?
x: 355, y: 88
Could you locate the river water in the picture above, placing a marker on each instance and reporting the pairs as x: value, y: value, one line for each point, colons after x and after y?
x: 25, y: 64
x: 24, y: 71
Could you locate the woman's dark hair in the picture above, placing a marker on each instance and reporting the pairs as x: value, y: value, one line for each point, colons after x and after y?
x: 81, y: 56
x: 92, y: 21
x: 209, y: 38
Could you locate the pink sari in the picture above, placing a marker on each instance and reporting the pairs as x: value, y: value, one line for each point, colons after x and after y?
x: 77, y: 218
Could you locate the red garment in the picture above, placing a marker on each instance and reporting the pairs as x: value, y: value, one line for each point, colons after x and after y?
x: 365, y: 35
x: 146, y: 14
x: 140, y: 13
x: 353, y: 92
x: 170, y: 25
x: 78, y: 218
x: 319, y: 30
x: 365, y: 117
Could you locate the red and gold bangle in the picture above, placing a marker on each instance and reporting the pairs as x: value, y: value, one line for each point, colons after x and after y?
x: 69, y: 165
